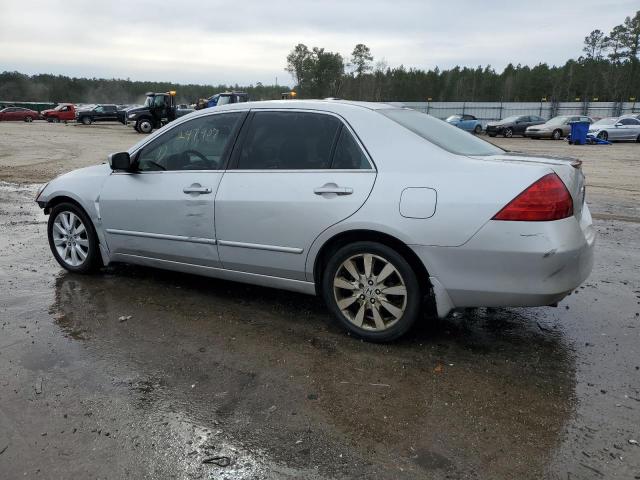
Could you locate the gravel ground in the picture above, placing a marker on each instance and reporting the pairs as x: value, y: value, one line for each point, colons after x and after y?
x: 139, y: 373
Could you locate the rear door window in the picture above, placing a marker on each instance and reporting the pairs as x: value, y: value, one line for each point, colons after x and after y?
x: 288, y: 141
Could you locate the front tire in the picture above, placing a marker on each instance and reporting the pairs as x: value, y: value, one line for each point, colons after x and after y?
x: 557, y: 134
x: 144, y: 125
x: 603, y: 136
x: 508, y: 133
x: 86, y: 120
x: 72, y: 239
x: 28, y: 119
x: 372, y: 291
x: 55, y: 120
x: 478, y: 129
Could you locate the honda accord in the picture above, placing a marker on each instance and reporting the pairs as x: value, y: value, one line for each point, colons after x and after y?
x: 380, y: 210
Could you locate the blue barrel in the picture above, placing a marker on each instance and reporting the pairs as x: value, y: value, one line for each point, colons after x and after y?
x: 579, y: 132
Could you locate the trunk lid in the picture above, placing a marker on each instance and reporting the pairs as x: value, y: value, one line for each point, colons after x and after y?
x: 568, y: 169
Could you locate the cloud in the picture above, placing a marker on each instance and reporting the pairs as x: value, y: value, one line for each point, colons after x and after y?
x: 221, y: 42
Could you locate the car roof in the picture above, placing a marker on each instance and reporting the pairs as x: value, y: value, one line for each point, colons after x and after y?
x: 333, y: 106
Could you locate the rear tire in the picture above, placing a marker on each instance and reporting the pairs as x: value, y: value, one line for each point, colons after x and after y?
x: 28, y: 119
x: 557, y: 134
x: 360, y: 304
x: 638, y: 139
x: 55, y: 120
x: 478, y: 129
x: 72, y: 239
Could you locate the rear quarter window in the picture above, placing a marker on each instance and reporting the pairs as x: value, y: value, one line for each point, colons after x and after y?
x: 437, y: 132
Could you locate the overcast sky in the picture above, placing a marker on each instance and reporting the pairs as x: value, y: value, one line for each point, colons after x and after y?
x: 213, y: 42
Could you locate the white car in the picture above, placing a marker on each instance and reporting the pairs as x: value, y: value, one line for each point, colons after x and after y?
x: 374, y: 207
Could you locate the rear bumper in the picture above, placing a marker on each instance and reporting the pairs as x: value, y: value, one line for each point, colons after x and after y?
x: 512, y: 264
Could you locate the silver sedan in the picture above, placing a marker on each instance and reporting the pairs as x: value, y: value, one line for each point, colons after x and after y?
x: 616, y: 129
x: 378, y: 209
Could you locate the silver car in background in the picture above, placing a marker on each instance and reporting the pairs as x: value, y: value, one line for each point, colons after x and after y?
x: 556, y: 128
x: 375, y: 208
x: 617, y: 129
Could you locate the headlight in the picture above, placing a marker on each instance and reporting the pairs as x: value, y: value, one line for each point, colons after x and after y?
x: 42, y: 187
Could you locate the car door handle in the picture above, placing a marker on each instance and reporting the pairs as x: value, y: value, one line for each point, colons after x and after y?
x: 333, y: 189
x: 196, y: 189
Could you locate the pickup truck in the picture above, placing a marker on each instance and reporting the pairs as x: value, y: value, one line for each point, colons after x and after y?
x: 99, y: 113
x: 62, y: 113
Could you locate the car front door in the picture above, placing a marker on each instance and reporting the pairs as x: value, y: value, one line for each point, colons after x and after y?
x: 293, y: 174
x: 521, y: 125
x: 97, y: 114
x: 164, y: 209
x: 9, y: 114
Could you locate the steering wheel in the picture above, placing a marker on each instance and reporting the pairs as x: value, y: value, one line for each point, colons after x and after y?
x: 197, y: 154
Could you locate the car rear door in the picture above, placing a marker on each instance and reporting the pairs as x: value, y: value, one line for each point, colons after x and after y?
x: 292, y: 175
x: 110, y: 113
x: 165, y: 209
x: 630, y: 128
x: 466, y: 123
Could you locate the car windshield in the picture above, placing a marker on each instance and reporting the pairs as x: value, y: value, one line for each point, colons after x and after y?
x: 148, y: 102
x: 59, y: 107
x: 606, y: 121
x: 454, y: 117
x: 510, y: 119
x: 558, y: 121
x: 440, y: 133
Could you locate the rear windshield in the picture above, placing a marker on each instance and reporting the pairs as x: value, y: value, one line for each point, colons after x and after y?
x: 440, y: 133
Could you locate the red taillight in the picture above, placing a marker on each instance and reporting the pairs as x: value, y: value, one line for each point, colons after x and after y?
x: 545, y: 200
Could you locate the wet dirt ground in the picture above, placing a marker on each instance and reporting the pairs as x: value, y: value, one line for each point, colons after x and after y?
x: 139, y: 373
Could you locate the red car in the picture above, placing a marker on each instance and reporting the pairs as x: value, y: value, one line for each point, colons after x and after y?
x: 62, y: 113
x: 18, y: 113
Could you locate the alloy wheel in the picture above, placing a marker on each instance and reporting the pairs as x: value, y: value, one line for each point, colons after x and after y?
x: 70, y: 238
x: 508, y: 133
x: 370, y: 292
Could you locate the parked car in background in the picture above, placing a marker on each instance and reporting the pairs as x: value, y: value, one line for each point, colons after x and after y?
x: 18, y: 114
x: 616, y: 129
x: 62, y: 113
x: 333, y: 198
x: 514, y: 125
x: 99, y: 113
x: 556, y: 128
x: 466, y: 122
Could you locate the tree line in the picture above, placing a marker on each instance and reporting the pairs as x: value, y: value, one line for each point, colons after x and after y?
x: 607, y: 70
x: 15, y: 86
